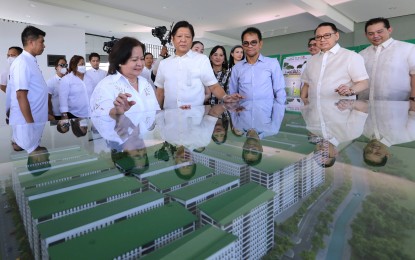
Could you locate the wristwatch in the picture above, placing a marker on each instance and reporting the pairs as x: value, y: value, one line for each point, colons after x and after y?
x: 412, y: 98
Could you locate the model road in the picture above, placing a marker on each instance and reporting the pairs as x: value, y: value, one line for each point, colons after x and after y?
x: 338, y: 243
x: 310, y: 219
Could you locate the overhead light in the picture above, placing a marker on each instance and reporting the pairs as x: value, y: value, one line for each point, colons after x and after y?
x: 32, y: 5
x: 28, y: 16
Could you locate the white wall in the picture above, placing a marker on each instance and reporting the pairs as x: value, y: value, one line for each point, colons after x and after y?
x: 58, y: 41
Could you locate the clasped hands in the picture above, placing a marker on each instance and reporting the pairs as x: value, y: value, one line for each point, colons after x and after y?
x: 226, y: 99
x: 344, y: 90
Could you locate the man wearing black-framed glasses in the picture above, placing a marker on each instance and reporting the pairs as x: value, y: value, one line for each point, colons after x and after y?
x: 334, y: 71
x: 256, y: 77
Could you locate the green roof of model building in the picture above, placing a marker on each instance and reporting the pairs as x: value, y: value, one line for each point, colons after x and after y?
x: 59, y: 202
x: 202, y: 187
x: 77, y: 169
x: 229, y: 153
x: 55, y: 154
x: 200, y: 244
x: 71, y: 182
x: 169, y: 179
x: 125, y: 235
x: 60, y: 225
x: 238, y: 202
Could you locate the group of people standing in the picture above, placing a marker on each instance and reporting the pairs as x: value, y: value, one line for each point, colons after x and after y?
x: 383, y: 71
x: 221, y: 66
x: 72, y: 86
x: 187, y: 78
x: 184, y: 79
x: 65, y: 95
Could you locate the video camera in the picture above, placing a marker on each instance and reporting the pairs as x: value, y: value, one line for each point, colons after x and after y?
x: 109, y: 44
x: 160, y: 32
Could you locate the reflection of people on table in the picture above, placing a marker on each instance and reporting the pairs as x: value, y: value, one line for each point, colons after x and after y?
x: 333, y: 123
x: 124, y: 89
x: 252, y: 148
x: 63, y: 126
x: 257, y: 119
x: 220, y: 132
x: 123, y: 134
x: 389, y: 123
x: 28, y: 138
x: 187, y: 130
x: 184, y: 168
x: 79, y: 126
x: 191, y: 128
x: 264, y: 115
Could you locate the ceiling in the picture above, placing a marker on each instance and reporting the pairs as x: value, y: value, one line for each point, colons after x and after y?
x: 215, y: 21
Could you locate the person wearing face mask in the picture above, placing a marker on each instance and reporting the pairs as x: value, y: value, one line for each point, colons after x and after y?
x: 53, y: 88
x: 12, y: 53
x: 73, y: 93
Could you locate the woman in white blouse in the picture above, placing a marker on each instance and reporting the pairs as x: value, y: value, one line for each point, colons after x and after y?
x: 73, y: 95
x: 124, y: 89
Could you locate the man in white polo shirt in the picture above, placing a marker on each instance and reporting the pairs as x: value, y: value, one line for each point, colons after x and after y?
x: 29, y: 92
x: 334, y: 71
x: 389, y: 62
x: 182, y: 78
x: 94, y: 75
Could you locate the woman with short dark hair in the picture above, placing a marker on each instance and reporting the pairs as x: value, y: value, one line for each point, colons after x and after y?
x: 124, y: 89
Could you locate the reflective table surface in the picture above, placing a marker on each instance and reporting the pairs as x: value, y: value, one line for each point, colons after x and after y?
x: 333, y: 179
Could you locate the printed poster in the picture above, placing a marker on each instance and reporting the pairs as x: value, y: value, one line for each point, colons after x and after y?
x: 292, y: 69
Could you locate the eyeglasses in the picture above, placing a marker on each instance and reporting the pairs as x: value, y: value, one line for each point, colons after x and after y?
x: 63, y: 65
x: 311, y: 45
x: 325, y: 36
x: 252, y: 43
